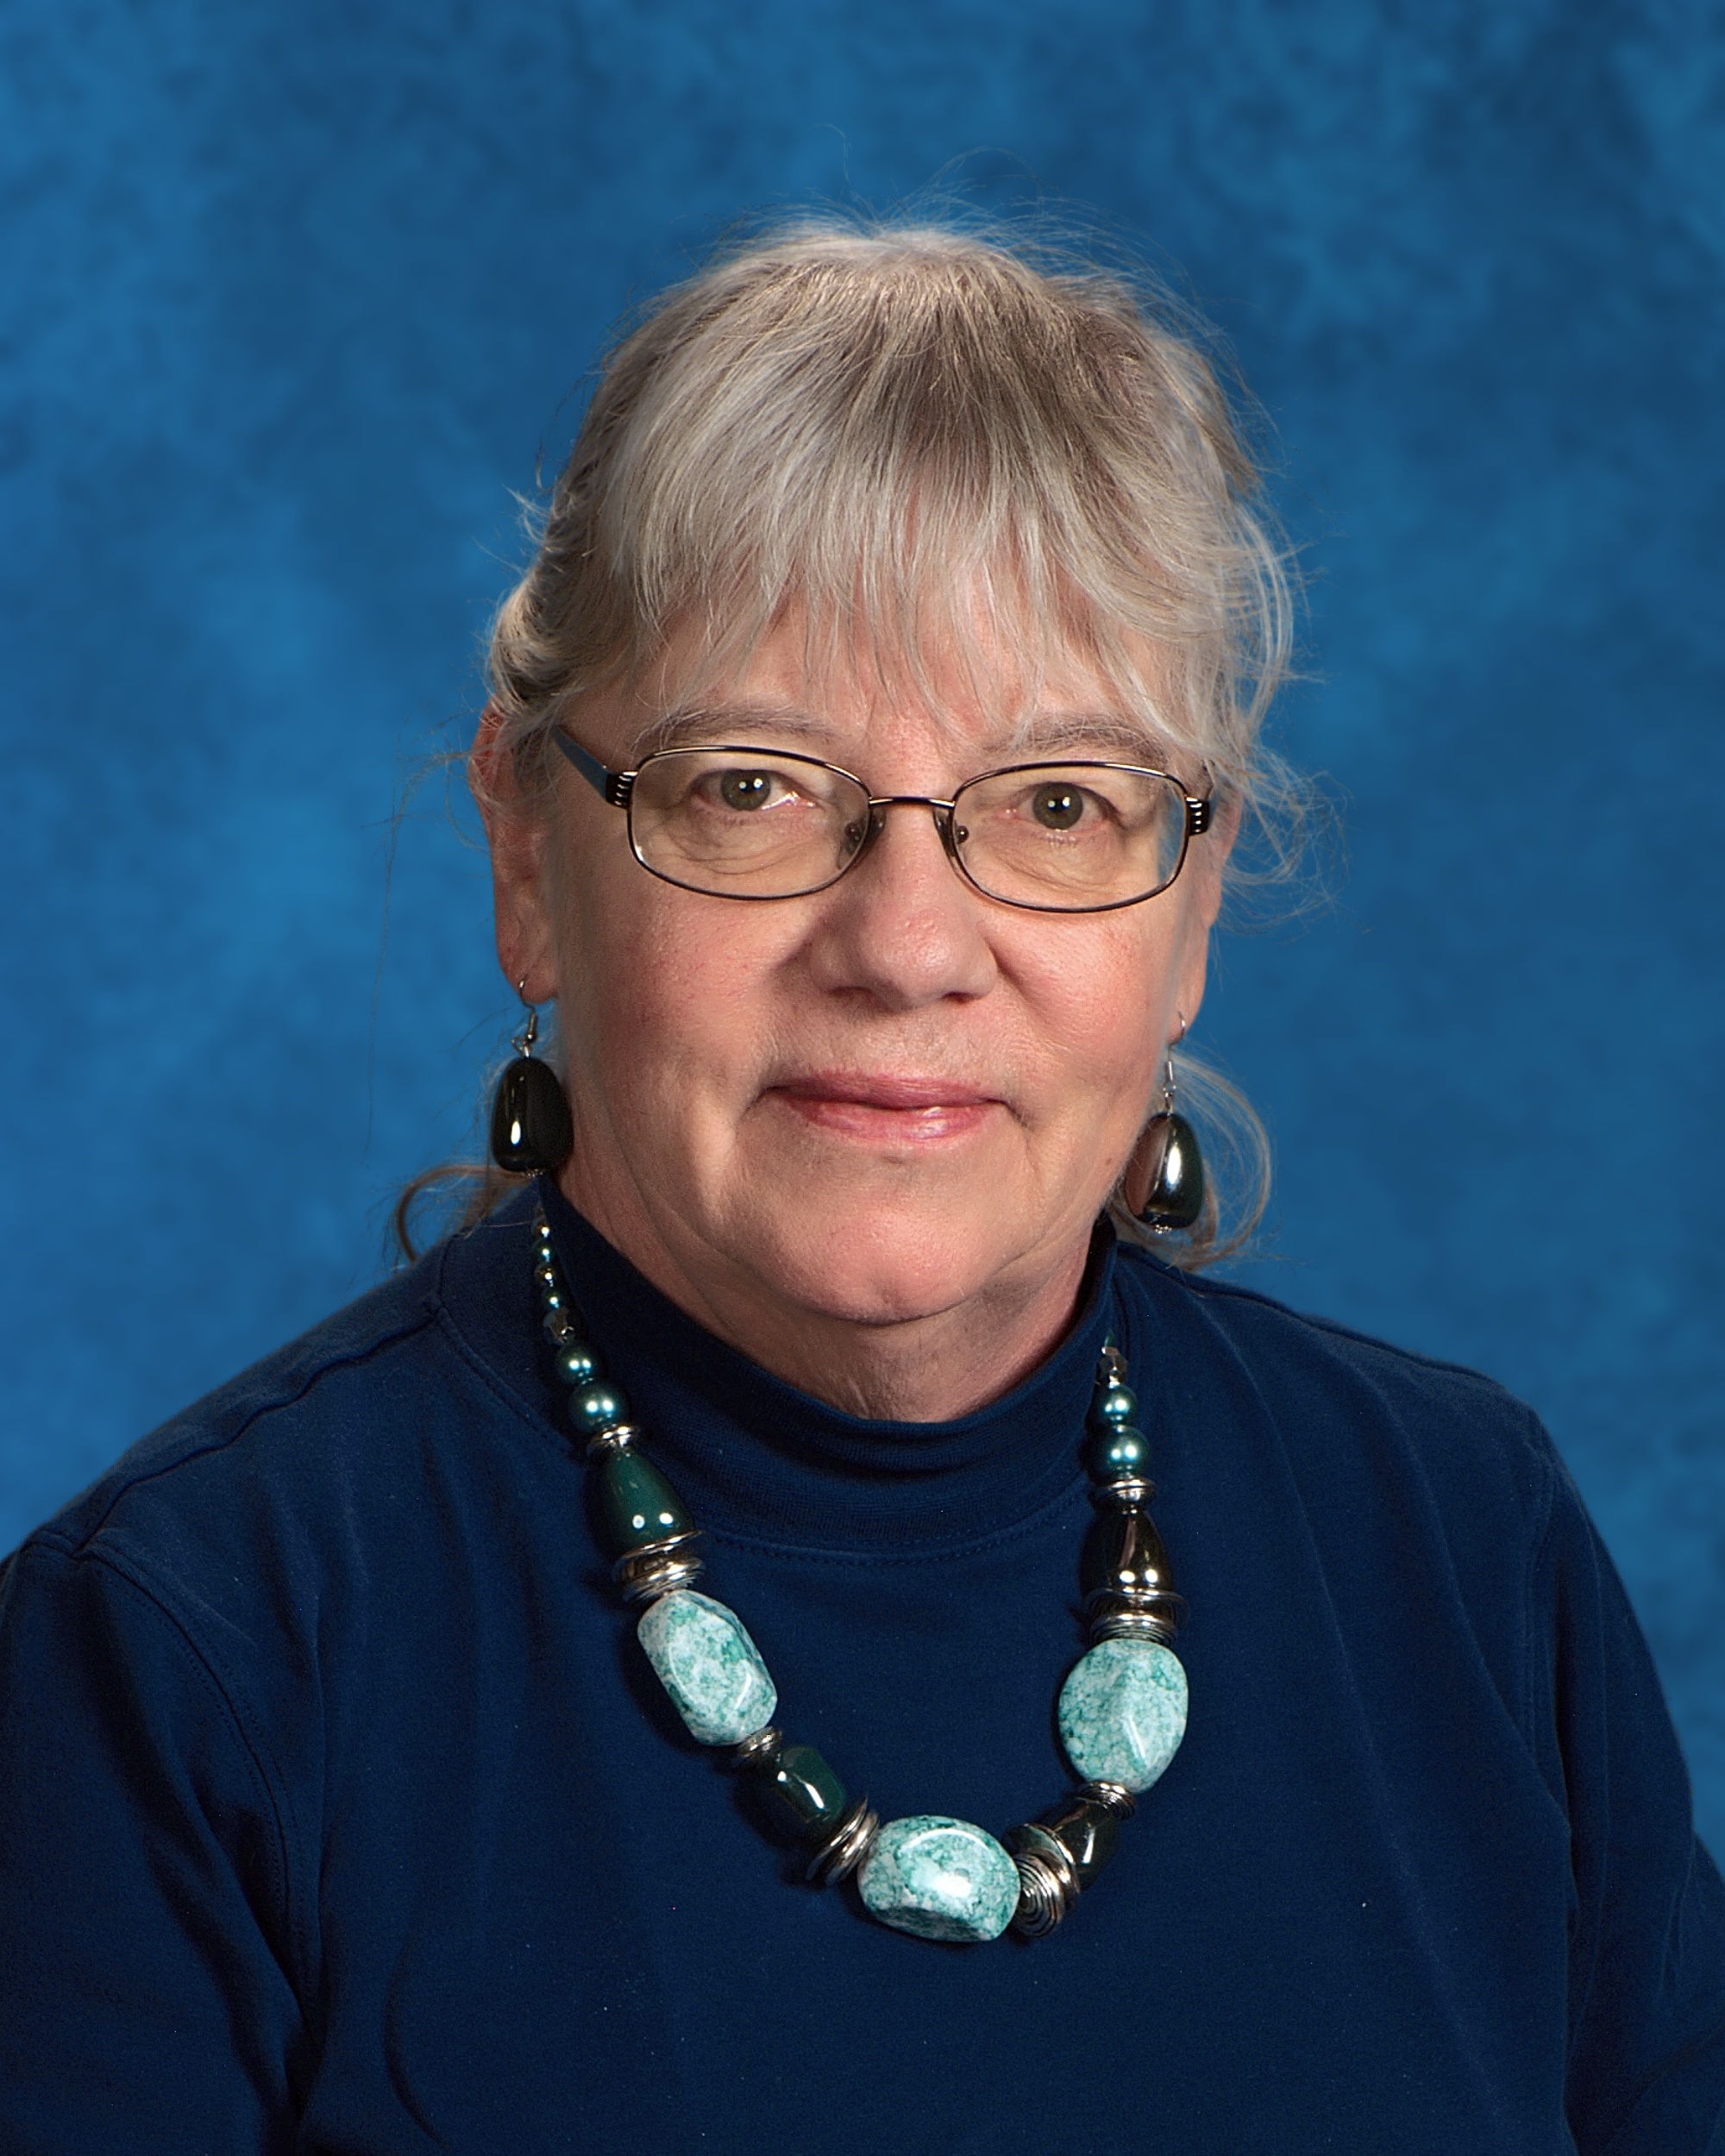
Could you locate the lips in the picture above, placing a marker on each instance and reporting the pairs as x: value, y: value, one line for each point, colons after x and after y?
x: 891, y: 1106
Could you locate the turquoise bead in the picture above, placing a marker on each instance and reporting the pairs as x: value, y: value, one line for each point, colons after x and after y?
x: 709, y: 1666
x: 637, y: 1505
x: 1118, y: 1404
x: 1120, y: 1454
x: 575, y: 1364
x: 1123, y: 1712
x: 597, y: 1407
x: 940, y: 1878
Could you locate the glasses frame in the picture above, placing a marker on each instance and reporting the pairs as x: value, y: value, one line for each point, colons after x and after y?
x: 617, y: 788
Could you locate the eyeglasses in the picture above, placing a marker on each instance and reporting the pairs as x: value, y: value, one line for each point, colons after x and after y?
x: 741, y: 823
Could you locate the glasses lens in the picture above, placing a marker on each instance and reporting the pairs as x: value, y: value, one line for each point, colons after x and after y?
x: 745, y: 823
x: 1071, y: 837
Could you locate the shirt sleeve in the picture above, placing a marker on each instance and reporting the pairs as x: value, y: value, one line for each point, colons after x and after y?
x: 1646, y: 2021
x: 144, y: 1956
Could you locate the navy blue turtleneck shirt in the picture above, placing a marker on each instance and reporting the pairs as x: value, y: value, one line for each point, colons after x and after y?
x: 339, y: 1811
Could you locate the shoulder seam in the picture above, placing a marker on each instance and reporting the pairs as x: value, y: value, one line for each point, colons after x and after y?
x: 289, y: 1396
x: 260, y: 1765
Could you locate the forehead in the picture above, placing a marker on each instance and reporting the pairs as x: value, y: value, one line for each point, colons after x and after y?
x: 987, y: 697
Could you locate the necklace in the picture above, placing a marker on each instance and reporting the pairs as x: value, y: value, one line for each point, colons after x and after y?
x: 1122, y: 1709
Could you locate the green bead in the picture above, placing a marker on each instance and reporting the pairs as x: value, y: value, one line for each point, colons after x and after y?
x: 810, y: 1794
x: 1120, y: 1454
x: 597, y: 1407
x: 637, y: 1505
x: 575, y: 1365
x: 1118, y: 1404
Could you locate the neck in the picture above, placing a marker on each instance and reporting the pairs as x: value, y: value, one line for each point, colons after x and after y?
x: 934, y: 1366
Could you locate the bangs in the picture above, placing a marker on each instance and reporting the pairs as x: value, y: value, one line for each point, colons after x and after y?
x: 938, y: 460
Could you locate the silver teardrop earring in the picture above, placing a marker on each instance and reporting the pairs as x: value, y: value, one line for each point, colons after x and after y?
x: 531, y: 1130
x: 1164, y: 1179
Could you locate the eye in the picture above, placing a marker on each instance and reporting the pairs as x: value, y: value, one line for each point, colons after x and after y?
x: 746, y: 789
x: 1057, y: 807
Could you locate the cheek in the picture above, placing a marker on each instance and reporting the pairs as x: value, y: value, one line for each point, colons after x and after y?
x: 1100, y: 1005
x: 663, y: 993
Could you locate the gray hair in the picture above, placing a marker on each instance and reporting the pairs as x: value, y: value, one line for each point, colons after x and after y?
x: 915, y: 437
x: 916, y: 440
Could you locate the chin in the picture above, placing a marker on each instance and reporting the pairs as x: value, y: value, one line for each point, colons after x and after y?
x: 890, y: 1268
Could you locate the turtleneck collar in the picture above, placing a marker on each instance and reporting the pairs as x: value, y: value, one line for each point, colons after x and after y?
x: 759, y: 1461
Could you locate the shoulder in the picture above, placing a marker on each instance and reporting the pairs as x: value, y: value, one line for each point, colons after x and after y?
x: 320, y: 1437
x: 1349, y: 1406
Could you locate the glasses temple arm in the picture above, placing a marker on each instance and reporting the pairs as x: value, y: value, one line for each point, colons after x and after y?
x: 614, y: 787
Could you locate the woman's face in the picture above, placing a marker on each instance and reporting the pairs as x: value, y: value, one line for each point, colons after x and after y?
x: 884, y: 1102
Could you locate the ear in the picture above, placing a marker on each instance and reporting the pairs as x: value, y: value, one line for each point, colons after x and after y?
x: 516, y: 831
x: 1207, y: 858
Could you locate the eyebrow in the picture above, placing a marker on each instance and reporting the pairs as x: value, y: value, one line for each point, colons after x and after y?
x: 690, y: 725
x: 1052, y: 735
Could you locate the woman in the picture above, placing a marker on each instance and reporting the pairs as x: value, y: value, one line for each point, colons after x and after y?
x: 865, y: 746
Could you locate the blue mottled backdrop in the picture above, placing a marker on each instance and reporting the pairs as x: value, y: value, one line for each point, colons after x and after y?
x: 290, y: 296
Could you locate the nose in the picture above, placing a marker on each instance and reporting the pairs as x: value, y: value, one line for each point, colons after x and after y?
x: 904, y: 926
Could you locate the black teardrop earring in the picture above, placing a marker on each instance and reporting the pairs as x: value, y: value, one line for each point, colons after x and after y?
x: 531, y: 1130
x: 1165, y: 1183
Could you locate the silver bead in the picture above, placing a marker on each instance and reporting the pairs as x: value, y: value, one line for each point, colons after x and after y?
x: 1048, y: 1880
x: 846, y: 1846
x: 1120, y: 1802
x: 1125, y: 1552
x: 618, y: 1438
x: 1115, y: 1612
x: 1121, y: 1497
x: 659, y: 1569
x: 758, y: 1751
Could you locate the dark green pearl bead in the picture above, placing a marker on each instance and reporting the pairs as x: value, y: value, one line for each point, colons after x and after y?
x: 637, y: 1505
x: 811, y: 1796
x: 597, y: 1407
x: 1118, y: 1454
x: 1118, y: 1404
x: 575, y: 1365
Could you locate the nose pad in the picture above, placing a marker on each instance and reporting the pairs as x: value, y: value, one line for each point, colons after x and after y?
x: 860, y: 835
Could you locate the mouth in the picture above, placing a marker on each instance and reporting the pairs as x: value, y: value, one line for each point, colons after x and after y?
x: 882, y: 1107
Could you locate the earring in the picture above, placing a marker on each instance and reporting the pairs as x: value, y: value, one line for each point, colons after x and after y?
x: 1164, y: 1179
x: 531, y: 1130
